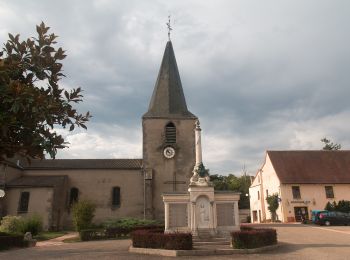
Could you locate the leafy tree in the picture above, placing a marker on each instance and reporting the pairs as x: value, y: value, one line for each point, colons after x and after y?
x: 328, y: 145
x: 231, y: 182
x: 32, y: 102
x: 272, y: 201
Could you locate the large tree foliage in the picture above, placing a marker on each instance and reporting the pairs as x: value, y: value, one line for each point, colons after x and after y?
x: 272, y: 201
x: 328, y: 145
x: 231, y: 182
x: 31, y: 101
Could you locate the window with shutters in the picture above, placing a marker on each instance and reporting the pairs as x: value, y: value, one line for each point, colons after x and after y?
x: 170, y: 133
x: 23, y: 202
x: 329, y: 192
x: 296, y: 192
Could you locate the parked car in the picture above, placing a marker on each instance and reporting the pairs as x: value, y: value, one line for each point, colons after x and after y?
x: 332, y: 218
x: 314, y: 214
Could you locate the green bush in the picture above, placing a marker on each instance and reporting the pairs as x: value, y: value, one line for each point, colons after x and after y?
x: 253, y: 238
x: 83, y: 213
x: 17, y: 224
x: 10, y: 224
x: 128, y: 223
x: 32, y: 224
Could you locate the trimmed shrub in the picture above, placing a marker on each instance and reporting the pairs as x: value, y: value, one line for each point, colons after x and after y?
x: 123, y: 227
x: 10, y: 224
x: 155, y: 238
x: 112, y: 232
x: 11, y: 240
x: 83, y: 213
x: 128, y: 223
x: 254, y: 238
x: 32, y: 224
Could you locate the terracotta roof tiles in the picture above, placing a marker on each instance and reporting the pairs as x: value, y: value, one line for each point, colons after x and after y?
x: 311, y: 167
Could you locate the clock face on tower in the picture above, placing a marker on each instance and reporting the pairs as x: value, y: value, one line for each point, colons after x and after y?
x: 169, y: 152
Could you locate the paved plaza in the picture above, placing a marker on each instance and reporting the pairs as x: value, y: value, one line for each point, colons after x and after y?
x: 298, y: 242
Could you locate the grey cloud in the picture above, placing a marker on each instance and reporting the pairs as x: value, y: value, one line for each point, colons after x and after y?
x: 271, y: 75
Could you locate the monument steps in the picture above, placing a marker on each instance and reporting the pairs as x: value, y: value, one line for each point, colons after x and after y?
x: 209, y: 243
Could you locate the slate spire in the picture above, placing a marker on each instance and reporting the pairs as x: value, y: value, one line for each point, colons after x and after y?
x: 168, y: 99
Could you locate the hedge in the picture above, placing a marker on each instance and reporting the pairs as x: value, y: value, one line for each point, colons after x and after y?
x: 254, y: 238
x: 11, y: 240
x: 155, y: 238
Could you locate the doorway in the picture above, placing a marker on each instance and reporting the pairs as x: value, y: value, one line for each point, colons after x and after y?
x: 301, y: 213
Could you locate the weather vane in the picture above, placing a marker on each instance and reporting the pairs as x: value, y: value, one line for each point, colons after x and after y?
x: 169, y: 27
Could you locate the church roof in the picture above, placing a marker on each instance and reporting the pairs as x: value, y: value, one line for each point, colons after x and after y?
x: 168, y: 99
x: 37, y: 181
x: 311, y: 167
x: 66, y: 164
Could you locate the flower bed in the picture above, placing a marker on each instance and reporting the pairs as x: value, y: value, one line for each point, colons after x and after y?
x: 253, y: 238
x: 155, y: 238
x: 111, y: 232
x: 92, y: 234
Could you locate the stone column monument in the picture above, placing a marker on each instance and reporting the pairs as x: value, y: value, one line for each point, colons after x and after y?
x: 202, y: 211
x: 201, y: 193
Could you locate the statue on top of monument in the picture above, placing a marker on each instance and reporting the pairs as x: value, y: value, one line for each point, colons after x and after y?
x: 200, y: 174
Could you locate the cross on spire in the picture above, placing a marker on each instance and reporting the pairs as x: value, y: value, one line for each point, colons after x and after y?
x: 169, y: 27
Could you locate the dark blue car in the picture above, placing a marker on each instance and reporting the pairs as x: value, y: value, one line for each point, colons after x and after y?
x: 332, y: 218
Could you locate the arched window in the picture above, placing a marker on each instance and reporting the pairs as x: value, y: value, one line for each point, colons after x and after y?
x: 170, y: 133
x: 73, y: 196
x: 116, y: 197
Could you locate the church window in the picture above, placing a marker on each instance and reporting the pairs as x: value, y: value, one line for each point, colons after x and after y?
x: 23, y: 202
x: 170, y: 133
x: 116, y: 196
x: 74, y: 195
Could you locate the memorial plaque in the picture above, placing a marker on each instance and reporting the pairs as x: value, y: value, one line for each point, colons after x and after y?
x: 225, y: 214
x: 178, y: 215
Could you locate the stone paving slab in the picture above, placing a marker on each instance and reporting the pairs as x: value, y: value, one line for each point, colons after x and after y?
x: 204, y: 251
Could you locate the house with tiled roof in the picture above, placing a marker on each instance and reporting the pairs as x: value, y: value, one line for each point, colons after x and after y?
x: 303, y: 180
x: 118, y: 187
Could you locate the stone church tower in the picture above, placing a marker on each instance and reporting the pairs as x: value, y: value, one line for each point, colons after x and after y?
x: 168, y: 138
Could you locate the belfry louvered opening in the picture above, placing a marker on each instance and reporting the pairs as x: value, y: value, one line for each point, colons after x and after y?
x: 170, y: 133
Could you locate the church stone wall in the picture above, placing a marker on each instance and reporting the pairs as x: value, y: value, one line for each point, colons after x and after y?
x: 96, y: 185
x: 167, y: 171
x: 40, y: 202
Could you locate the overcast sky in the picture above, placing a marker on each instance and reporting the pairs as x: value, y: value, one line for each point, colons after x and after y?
x: 260, y: 75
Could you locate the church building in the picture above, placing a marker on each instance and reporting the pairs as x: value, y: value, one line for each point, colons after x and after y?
x: 118, y: 187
